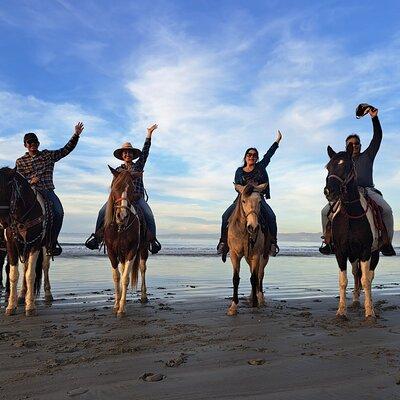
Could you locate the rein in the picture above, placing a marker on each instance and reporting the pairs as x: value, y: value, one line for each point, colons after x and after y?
x: 132, y: 211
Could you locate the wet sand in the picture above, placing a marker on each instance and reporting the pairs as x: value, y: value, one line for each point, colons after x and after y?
x: 293, y: 349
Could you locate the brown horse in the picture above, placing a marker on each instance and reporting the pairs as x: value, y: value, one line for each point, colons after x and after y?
x: 24, y: 217
x: 125, y: 239
x: 245, y: 238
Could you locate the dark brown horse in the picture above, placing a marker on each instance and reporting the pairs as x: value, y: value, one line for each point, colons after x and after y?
x: 125, y: 239
x: 353, y: 237
x: 23, y: 216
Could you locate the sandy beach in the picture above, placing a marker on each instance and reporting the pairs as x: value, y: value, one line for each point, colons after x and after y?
x: 285, y: 350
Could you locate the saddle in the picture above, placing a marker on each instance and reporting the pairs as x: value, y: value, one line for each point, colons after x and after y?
x: 374, y: 216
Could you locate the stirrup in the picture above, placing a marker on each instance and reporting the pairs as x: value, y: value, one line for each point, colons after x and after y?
x: 388, y: 250
x: 155, y: 246
x: 92, y: 243
x: 326, y: 249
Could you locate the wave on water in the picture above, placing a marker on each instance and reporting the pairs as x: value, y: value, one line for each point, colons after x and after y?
x: 192, y: 250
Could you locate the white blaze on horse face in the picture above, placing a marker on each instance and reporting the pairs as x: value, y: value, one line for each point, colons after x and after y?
x: 122, y: 211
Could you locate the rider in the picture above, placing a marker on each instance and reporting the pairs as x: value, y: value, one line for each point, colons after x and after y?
x: 127, y: 153
x: 253, y: 171
x: 37, y: 167
x: 363, y: 162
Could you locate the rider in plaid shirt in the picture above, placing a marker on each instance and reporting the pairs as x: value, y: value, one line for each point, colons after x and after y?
x: 38, y: 166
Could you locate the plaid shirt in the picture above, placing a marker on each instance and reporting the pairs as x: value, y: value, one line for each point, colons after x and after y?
x: 42, y: 164
x: 138, y: 166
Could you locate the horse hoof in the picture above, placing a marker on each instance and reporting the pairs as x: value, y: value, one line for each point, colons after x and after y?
x: 356, y: 305
x: 231, y: 312
x: 121, y: 314
x: 21, y: 301
x: 31, y: 313
x: 342, y: 317
x: 48, y: 298
x: 115, y: 310
x: 144, y: 300
x: 370, y: 320
x: 10, y: 311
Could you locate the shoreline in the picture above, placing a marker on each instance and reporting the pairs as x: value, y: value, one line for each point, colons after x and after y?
x: 297, y: 348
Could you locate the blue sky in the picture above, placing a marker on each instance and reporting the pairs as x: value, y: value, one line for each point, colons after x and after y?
x: 218, y: 77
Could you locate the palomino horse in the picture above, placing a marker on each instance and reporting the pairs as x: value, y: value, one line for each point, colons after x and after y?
x: 125, y: 239
x: 24, y: 218
x: 353, y: 238
x: 245, y: 238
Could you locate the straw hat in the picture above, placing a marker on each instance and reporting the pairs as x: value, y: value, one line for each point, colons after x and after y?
x: 127, y: 146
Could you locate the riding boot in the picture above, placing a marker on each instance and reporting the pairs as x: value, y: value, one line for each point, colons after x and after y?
x: 54, y: 250
x: 95, y: 239
x: 222, y: 248
x: 388, y: 250
x: 326, y: 248
x: 155, y: 246
x: 274, y: 250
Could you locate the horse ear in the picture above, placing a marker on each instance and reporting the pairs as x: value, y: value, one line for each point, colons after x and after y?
x: 114, y: 171
x: 260, y: 188
x: 349, y: 149
x: 239, y: 188
x: 330, y: 151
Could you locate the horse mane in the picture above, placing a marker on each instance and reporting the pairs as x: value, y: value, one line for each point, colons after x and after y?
x: 119, y: 184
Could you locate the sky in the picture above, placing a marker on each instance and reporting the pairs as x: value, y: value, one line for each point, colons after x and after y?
x: 217, y: 77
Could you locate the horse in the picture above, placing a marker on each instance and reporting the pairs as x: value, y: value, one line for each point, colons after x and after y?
x: 353, y: 230
x: 125, y: 239
x: 25, y: 217
x: 245, y: 238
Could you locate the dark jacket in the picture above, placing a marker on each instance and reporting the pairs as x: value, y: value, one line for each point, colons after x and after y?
x: 259, y: 174
x: 364, y: 163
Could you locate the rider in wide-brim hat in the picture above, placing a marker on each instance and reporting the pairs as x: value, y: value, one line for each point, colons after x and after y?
x: 127, y: 146
x: 127, y: 153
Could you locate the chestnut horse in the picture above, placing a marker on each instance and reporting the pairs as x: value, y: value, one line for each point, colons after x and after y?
x: 246, y: 239
x: 24, y: 218
x: 353, y: 230
x: 125, y: 239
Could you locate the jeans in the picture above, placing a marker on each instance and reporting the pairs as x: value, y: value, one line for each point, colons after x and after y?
x: 387, y: 213
x: 265, y: 210
x: 148, y: 216
x: 58, y: 212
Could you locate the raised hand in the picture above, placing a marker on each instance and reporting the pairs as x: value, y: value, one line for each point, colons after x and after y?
x: 79, y: 128
x: 373, y: 113
x: 278, y: 136
x: 151, y: 129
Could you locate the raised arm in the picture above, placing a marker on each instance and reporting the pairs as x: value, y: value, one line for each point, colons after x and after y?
x: 271, y: 151
x: 64, y: 151
x: 373, y: 147
x: 140, y: 163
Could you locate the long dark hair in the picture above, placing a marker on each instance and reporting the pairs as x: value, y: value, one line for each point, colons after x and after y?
x: 244, y: 158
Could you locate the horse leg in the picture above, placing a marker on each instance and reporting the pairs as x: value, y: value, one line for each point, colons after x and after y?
x: 116, y: 279
x: 30, y: 307
x: 232, y: 310
x: 48, y: 297
x: 342, y: 309
x: 22, y: 292
x: 366, y: 281
x: 13, y: 298
x: 142, y: 266
x: 127, y: 269
x: 254, y: 281
x: 260, y: 293
x: 357, y: 283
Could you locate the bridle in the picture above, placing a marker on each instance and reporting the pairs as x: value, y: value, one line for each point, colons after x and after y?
x: 127, y: 222
x: 343, y: 190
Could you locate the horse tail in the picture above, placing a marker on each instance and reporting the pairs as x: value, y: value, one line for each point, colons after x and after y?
x: 135, y: 271
x: 39, y: 273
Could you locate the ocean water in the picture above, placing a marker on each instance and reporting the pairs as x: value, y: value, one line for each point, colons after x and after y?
x: 189, y: 266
